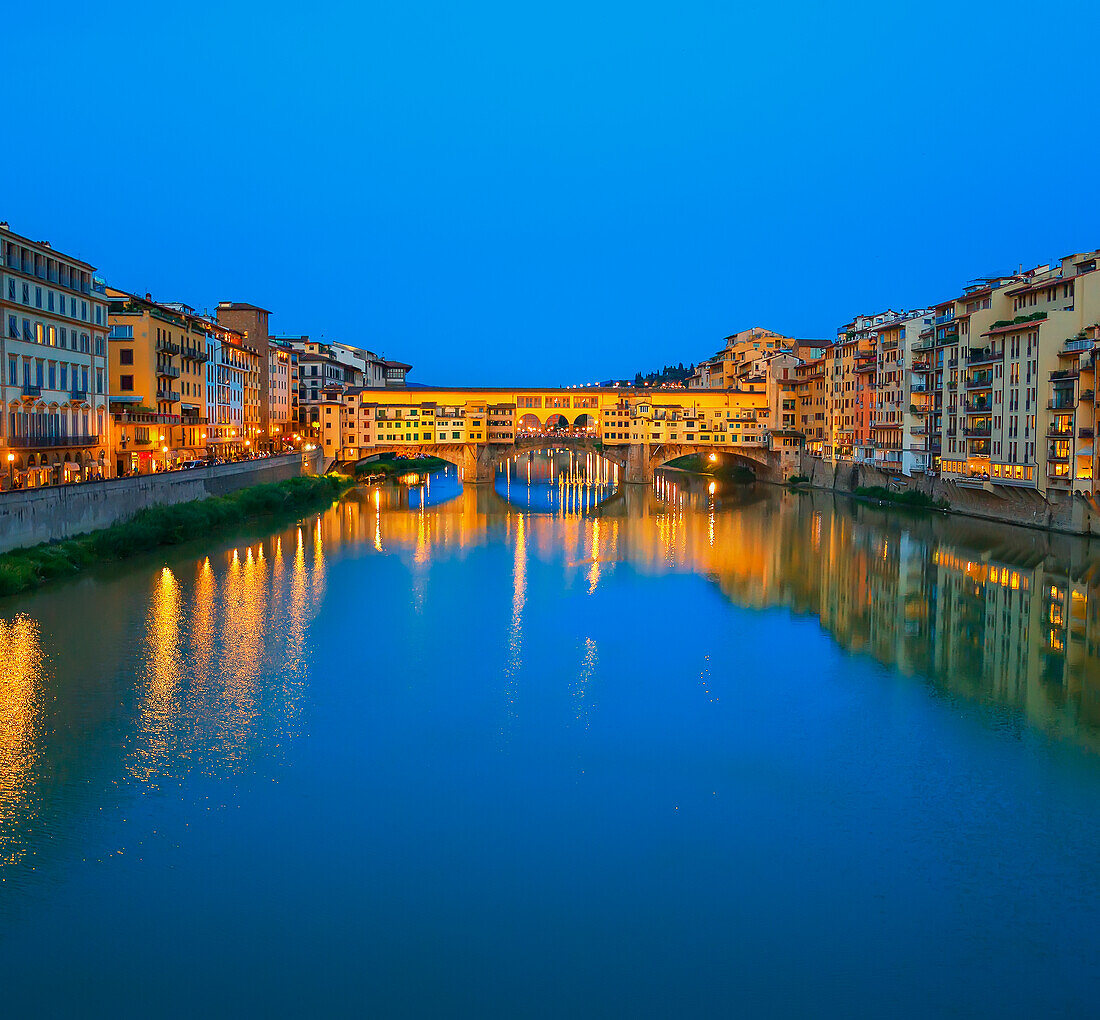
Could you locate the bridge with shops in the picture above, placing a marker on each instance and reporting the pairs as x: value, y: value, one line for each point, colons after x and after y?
x: 479, y: 429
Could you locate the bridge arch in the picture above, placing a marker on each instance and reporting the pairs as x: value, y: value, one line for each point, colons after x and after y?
x: 644, y: 461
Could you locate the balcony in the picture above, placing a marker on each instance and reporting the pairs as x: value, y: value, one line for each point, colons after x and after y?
x: 1065, y: 373
x: 941, y: 319
x: 1077, y: 345
x: 1067, y: 433
x: 980, y: 381
x: 168, y: 371
x: 31, y: 392
x: 977, y: 406
x: 36, y: 442
x: 193, y: 353
x: 1084, y: 434
x: 976, y: 431
x: 168, y: 396
x: 983, y: 356
x: 952, y: 384
x: 168, y: 347
x: 79, y: 396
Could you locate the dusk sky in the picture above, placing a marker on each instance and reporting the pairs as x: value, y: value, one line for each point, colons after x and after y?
x: 559, y: 193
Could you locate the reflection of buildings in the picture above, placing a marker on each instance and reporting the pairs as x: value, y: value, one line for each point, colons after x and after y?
x: 202, y: 665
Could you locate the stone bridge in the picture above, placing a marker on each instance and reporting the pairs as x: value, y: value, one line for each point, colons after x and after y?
x: 638, y: 461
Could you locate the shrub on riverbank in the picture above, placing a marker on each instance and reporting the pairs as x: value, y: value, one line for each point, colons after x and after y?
x: 393, y: 466
x: 907, y: 498
x: 798, y: 479
x: 160, y: 526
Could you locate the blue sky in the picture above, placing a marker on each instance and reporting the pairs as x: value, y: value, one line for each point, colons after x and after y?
x: 507, y: 192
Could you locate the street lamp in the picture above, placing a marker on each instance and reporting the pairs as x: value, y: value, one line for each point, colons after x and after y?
x: 11, y: 470
x: 164, y: 450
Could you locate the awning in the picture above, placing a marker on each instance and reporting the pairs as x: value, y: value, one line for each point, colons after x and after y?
x: 1085, y: 451
x: 71, y: 465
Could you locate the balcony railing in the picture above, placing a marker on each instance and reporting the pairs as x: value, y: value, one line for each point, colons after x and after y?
x: 1077, y: 345
x: 981, y: 381
x: 168, y: 396
x: 31, y: 391
x: 79, y: 396
x: 980, y: 431
x: 168, y: 371
x: 1065, y: 373
x: 977, y: 406
x: 983, y: 355
x: 168, y: 346
x: 35, y: 442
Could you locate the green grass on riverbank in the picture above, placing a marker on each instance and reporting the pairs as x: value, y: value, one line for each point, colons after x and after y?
x: 908, y: 498
x: 701, y: 464
x: 392, y: 466
x: 22, y: 569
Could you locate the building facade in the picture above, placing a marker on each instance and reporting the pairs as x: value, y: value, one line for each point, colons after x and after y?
x: 53, y: 352
x: 157, y: 359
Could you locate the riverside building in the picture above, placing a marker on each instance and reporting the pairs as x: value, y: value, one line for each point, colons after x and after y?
x: 158, y: 354
x: 53, y: 358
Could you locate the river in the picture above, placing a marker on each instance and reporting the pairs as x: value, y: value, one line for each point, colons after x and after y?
x: 558, y: 746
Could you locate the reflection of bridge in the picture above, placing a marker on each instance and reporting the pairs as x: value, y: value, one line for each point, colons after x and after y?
x: 478, y: 462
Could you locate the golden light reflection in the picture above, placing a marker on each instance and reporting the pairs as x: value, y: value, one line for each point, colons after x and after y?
x: 161, y: 683
x: 594, y: 569
x: 20, y: 730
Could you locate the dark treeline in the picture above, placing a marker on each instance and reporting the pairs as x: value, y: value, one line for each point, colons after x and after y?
x: 670, y: 374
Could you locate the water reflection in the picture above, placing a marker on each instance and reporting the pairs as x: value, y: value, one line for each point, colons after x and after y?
x: 560, y: 482
x: 203, y: 664
x: 21, y: 730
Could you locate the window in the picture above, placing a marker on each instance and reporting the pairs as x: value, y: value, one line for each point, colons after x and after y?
x: 126, y: 356
x: 126, y: 383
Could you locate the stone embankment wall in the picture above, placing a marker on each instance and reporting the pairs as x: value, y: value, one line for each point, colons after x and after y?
x: 1072, y: 514
x: 30, y: 516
